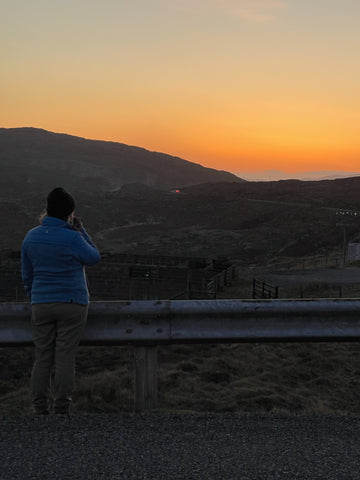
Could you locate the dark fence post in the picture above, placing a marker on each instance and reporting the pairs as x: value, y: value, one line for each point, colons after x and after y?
x: 145, y: 381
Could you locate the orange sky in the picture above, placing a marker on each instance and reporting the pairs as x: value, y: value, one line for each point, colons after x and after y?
x: 238, y: 85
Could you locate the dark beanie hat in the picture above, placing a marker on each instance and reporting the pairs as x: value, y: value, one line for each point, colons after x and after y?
x: 60, y: 203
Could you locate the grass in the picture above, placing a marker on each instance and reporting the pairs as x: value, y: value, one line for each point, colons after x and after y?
x: 318, y: 378
x: 290, y: 378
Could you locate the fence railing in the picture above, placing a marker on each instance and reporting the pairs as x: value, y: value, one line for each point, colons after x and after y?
x: 127, y: 278
x: 147, y: 324
x: 262, y: 289
x: 221, y: 279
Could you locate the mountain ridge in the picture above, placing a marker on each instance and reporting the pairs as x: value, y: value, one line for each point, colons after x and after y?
x: 108, y: 164
x: 251, y: 222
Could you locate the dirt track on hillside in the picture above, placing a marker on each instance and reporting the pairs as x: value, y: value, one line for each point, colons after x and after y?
x: 339, y: 276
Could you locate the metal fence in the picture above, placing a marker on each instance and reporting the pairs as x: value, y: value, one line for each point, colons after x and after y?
x: 147, y: 324
x: 262, y: 289
x: 124, y: 277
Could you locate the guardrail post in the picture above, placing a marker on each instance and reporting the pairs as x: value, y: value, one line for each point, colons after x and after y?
x: 145, y: 381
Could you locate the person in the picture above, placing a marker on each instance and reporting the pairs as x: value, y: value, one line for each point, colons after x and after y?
x: 53, y: 257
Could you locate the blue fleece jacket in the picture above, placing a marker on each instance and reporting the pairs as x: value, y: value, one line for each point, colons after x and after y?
x: 53, y: 258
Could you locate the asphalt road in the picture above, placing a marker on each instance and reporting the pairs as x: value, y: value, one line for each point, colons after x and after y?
x: 171, y: 447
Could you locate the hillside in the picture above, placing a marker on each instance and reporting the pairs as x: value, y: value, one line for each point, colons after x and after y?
x: 125, y: 196
x: 252, y: 222
x: 31, y: 160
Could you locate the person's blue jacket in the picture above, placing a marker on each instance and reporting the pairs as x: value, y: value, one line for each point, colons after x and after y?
x: 53, y: 258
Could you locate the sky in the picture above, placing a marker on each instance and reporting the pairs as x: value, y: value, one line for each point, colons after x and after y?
x: 238, y: 85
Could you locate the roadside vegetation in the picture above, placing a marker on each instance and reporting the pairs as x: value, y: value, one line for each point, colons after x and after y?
x: 318, y: 378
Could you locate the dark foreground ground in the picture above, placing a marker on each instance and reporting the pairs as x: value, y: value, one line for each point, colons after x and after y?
x: 171, y: 447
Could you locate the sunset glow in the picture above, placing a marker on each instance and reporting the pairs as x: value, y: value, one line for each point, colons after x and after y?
x: 238, y: 85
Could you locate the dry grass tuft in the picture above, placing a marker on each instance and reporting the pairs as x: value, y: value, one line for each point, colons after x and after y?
x: 267, y: 377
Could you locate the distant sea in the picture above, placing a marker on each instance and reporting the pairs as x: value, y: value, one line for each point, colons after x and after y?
x: 273, y: 175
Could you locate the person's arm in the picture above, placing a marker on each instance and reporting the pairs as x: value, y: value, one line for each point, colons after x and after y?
x: 86, y: 250
x: 86, y: 236
x: 27, y: 272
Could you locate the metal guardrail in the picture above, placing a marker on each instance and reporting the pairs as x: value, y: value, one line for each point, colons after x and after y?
x: 146, y: 324
x: 199, y: 321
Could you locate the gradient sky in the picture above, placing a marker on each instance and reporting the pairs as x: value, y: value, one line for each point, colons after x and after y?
x: 240, y: 85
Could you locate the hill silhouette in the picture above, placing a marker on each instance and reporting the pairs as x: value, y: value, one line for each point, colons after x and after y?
x: 31, y: 159
x: 126, y: 198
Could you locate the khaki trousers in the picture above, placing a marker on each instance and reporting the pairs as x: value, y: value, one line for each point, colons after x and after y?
x: 57, y: 329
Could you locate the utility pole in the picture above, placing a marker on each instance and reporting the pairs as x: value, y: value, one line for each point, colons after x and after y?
x: 346, y: 213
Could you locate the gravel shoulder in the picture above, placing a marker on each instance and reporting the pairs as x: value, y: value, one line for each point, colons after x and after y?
x: 180, y: 446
